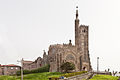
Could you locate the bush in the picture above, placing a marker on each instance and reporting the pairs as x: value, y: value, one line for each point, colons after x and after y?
x: 39, y: 70
x: 42, y: 69
x: 18, y: 73
x: 67, y: 66
x: 24, y: 72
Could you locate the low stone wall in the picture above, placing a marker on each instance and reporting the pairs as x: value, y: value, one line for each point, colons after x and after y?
x: 80, y: 77
x: 102, y: 73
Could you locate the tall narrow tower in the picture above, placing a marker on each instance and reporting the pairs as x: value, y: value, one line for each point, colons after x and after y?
x: 76, y: 28
x: 83, y: 41
x: 81, y: 38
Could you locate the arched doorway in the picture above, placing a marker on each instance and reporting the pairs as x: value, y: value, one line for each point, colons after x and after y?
x: 84, y: 69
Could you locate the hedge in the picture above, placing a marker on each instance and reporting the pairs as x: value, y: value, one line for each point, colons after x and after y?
x: 73, y: 74
x: 39, y: 70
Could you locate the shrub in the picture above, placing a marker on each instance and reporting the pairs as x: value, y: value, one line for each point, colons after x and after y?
x: 26, y: 71
x: 39, y: 70
x: 18, y: 73
x: 67, y: 66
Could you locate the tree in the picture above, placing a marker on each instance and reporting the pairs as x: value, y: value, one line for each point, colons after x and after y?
x: 67, y: 66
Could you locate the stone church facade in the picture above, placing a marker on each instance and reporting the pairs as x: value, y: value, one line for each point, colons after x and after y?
x: 58, y: 54
x: 77, y: 54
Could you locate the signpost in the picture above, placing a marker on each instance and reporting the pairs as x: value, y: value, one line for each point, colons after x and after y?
x: 21, y: 68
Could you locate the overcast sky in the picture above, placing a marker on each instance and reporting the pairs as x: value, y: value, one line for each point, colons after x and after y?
x: 27, y: 27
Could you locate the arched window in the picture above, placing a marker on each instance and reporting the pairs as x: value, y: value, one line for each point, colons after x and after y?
x: 70, y: 57
x: 84, y: 30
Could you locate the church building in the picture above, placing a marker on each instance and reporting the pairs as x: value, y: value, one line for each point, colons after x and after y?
x: 77, y: 54
x: 58, y: 54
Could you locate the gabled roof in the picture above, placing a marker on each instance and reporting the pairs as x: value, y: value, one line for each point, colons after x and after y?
x: 27, y: 62
x: 10, y: 65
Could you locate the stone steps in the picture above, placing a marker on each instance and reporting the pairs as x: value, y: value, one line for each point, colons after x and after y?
x: 80, y: 77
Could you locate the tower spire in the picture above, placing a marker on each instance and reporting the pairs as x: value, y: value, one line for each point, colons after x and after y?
x: 76, y: 27
x: 76, y: 12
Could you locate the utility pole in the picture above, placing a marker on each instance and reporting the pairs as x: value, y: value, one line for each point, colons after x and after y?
x: 97, y: 64
x: 21, y: 61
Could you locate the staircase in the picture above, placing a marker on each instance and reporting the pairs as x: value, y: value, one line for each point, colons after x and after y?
x: 80, y: 77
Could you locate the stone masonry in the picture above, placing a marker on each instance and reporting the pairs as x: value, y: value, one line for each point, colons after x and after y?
x: 77, y: 54
x: 39, y: 62
x: 10, y: 69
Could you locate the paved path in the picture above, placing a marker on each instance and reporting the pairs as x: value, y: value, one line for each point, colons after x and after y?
x: 81, y: 77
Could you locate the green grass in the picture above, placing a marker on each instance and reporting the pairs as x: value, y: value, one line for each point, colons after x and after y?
x: 104, y: 77
x: 41, y: 76
x: 73, y: 74
x: 35, y: 76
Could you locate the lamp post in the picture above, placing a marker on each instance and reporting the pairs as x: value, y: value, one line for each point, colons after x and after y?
x: 97, y: 64
x: 21, y: 68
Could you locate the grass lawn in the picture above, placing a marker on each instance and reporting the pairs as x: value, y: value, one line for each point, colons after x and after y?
x: 104, y: 77
x: 41, y: 76
x: 36, y: 76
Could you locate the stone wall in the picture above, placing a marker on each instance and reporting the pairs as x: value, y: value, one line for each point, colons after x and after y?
x: 39, y: 62
x: 0, y: 71
x: 9, y: 70
x: 33, y: 66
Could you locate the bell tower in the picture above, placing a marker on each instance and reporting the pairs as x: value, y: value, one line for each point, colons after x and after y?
x: 83, y: 41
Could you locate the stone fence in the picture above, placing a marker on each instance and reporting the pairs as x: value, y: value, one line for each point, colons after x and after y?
x: 80, y: 77
x: 102, y: 72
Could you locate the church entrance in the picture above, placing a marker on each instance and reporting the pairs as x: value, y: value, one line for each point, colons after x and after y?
x: 84, y: 69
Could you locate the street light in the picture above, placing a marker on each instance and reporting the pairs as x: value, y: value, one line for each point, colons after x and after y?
x: 21, y: 61
x: 97, y: 64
